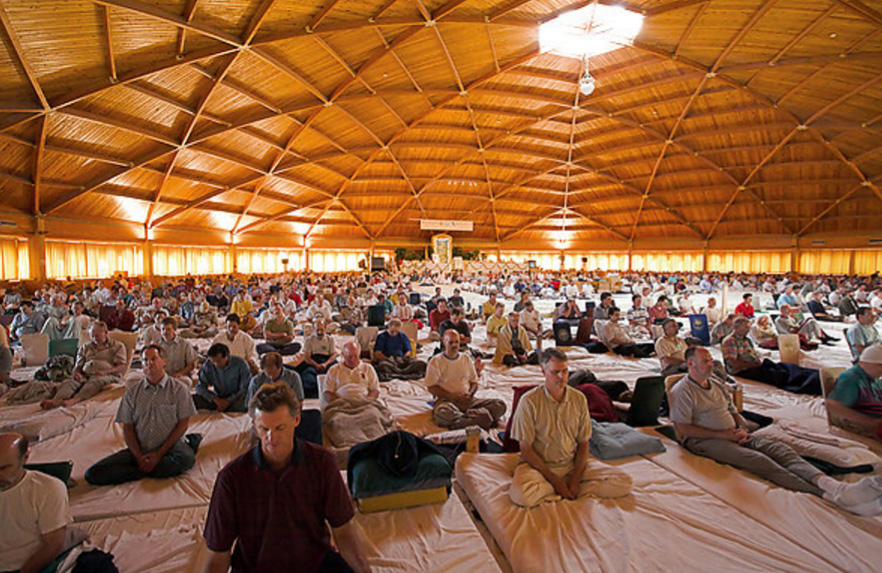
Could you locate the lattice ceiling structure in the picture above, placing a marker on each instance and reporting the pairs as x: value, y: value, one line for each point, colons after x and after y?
x: 354, y: 119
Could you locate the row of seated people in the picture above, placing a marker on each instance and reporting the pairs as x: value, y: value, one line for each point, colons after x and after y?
x: 552, y: 426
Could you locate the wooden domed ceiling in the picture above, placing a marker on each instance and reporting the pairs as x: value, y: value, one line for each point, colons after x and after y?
x: 357, y: 118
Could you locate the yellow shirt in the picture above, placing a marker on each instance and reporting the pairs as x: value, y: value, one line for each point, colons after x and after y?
x: 241, y: 307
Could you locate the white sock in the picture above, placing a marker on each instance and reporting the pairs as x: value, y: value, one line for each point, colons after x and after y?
x: 866, y: 509
x: 858, y: 492
x: 830, y: 486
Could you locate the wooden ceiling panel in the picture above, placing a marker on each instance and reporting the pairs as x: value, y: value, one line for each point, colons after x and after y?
x: 730, y: 147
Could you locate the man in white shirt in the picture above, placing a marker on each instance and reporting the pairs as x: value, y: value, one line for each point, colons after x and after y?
x: 35, y: 511
x: 452, y: 379
x: 240, y: 343
x: 712, y: 312
x: 352, y: 379
x: 532, y: 322
x: 671, y: 349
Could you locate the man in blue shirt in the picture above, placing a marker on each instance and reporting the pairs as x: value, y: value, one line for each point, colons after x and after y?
x: 392, y: 357
x: 223, y: 381
x: 391, y: 342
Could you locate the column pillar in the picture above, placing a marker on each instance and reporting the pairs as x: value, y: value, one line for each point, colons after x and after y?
x: 147, y: 259
x: 794, y: 256
x: 852, y: 262
x: 705, y: 257
x: 37, y: 250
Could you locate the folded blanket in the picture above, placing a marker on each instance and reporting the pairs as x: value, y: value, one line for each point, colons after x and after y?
x: 611, y: 441
x: 831, y: 449
x: 350, y: 422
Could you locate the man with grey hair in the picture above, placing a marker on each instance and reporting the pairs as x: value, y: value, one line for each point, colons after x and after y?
x: 552, y: 425
x: 708, y: 424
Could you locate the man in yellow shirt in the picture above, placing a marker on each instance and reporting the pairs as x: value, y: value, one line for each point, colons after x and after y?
x: 243, y: 308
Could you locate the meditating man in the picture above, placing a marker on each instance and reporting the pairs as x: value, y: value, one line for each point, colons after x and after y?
x: 273, y: 371
x: 620, y: 342
x: 452, y: 379
x: 745, y: 307
x: 392, y: 355
x: 155, y: 414
x: 552, y: 426
x: 100, y: 362
x: 319, y: 354
x: 786, y: 323
x: 351, y: 379
x: 856, y: 400
x: 279, y: 333
x: 863, y: 333
x: 27, y: 321
x: 223, y: 382
x: 240, y: 343
x: 671, y: 349
x: 270, y: 505
x: 35, y: 512
x: 495, y: 322
x: 179, y: 355
x: 708, y: 425
x: 513, y: 347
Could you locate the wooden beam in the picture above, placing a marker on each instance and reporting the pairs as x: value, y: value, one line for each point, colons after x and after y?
x: 289, y: 71
x: 111, y: 60
x: 37, y: 171
x: 118, y: 123
x: 317, y: 19
x: 151, y: 11
x: 181, y: 106
x: 189, y: 12
x: 382, y: 10
x: 671, y: 6
x: 506, y: 8
x: 19, y: 55
x: 101, y: 180
x: 447, y: 8
x: 691, y: 26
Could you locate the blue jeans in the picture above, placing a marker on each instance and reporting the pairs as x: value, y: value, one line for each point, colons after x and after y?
x: 122, y: 466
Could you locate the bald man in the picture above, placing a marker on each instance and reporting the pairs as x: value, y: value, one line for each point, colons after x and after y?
x: 34, y: 509
x: 352, y: 379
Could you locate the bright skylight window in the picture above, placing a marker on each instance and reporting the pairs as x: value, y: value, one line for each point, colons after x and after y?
x: 590, y: 31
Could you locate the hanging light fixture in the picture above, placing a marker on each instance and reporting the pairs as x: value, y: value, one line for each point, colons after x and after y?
x: 587, y: 83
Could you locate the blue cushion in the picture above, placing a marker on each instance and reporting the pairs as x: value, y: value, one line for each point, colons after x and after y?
x: 369, y: 479
x: 610, y: 441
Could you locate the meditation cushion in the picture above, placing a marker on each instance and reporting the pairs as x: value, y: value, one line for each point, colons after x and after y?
x: 610, y: 441
x: 369, y: 479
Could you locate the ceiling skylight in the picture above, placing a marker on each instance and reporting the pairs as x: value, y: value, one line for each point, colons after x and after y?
x: 590, y: 31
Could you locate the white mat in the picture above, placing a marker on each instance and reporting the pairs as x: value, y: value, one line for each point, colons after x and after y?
x: 666, y: 524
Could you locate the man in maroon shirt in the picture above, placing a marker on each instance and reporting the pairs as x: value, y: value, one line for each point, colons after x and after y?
x: 439, y: 315
x: 272, y: 501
